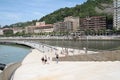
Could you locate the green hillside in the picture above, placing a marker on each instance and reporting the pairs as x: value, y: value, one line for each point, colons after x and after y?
x: 86, y: 9
x: 89, y: 8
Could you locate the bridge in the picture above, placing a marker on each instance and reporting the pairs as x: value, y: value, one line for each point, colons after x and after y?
x: 44, y: 48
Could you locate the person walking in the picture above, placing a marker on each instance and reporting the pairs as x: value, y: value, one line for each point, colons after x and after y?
x: 43, y: 60
x: 57, y: 58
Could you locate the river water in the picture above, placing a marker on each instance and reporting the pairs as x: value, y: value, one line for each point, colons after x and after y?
x: 91, y: 45
x: 12, y: 53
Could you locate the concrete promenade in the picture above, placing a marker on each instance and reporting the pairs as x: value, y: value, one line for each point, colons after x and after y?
x: 32, y: 68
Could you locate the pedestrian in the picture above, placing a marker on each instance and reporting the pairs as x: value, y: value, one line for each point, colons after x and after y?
x: 57, y: 58
x: 43, y: 60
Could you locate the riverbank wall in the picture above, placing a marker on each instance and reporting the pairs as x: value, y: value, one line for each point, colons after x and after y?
x: 101, y: 56
x: 62, y: 38
x: 9, y: 70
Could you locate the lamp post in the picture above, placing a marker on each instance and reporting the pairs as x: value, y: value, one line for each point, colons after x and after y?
x: 87, y: 44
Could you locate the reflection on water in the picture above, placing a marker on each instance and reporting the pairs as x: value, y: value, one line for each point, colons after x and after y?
x: 92, y: 45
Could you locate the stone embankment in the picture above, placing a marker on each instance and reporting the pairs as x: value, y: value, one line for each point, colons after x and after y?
x: 101, y: 56
x: 84, y: 37
x: 8, y: 71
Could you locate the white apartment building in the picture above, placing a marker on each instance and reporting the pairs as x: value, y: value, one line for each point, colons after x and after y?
x: 116, y: 23
x: 17, y: 29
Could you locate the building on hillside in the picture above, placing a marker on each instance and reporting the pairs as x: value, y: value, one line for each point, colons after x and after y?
x: 29, y: 29
x: 116, y: 20
x: 70, y: 24
x: 43, y: 28
x: 12, y: 30
x: 93, y: 23
x: 63, y: 26
x: 59, y: 27
x: 56, y: 27
x: 7, y: 31
x: 40, y: 27
x: 40, y: 24
x: 75, y: 22
x: 17, y: 29
x: 1, y: 31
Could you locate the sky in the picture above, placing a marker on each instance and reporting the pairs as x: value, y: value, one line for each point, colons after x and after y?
x: 13, y: 11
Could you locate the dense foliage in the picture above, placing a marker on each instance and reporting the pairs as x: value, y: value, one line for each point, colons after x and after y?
x: 86, y: 9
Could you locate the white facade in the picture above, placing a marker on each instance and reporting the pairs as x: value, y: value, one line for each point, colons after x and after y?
x: 16, y: 30
x: 1, y: 31
x: 40, y: 23
x: 116, y: 14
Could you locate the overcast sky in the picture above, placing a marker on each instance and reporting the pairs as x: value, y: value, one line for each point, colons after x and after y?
x: 13, y: 11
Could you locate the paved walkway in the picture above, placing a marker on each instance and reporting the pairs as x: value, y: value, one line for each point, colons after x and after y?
x: 33, y: 69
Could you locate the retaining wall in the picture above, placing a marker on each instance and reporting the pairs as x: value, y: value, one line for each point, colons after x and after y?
x: 6, y: 74
x: 101, y: 56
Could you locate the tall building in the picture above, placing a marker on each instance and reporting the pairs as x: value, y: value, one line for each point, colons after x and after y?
x: 93, y: 23
x: 59, y: 27
x: 75, y: 22
x: 116, y: 14
x: 69, y: 26
x: 66, y: 26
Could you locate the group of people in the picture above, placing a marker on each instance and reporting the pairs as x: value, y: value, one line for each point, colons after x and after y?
x: 45, y: 59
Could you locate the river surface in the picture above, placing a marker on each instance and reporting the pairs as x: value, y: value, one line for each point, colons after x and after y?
x: 12, y: 53
x: 91, y: 45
